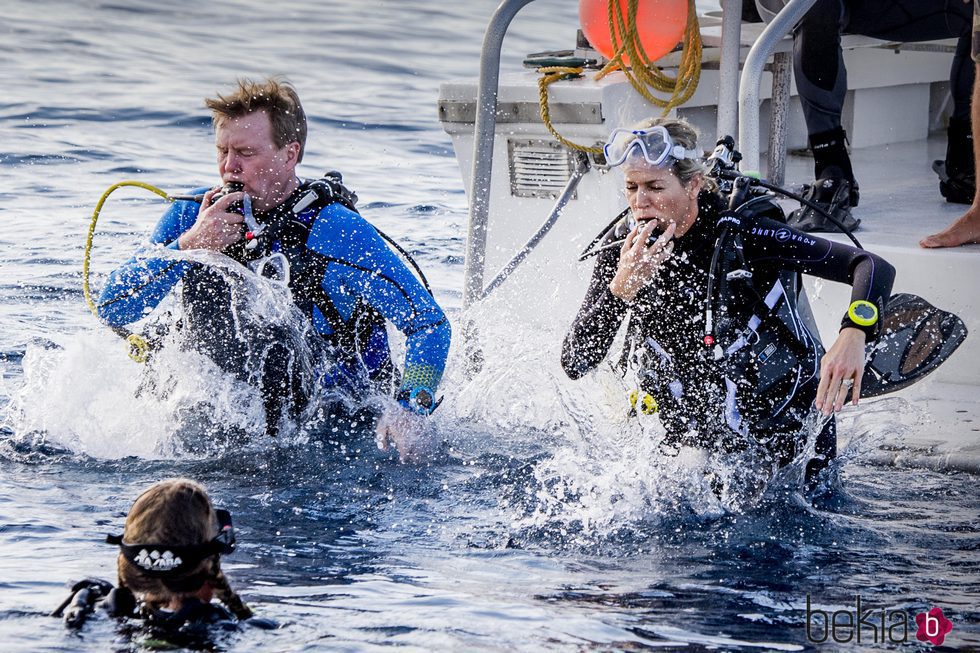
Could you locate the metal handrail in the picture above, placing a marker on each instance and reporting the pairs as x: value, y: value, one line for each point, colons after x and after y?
x: 751, y: 81
x: 731, y: 43
x: 484, y: 128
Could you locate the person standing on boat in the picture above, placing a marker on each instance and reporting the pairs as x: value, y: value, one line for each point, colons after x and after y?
x: 966, y: 229
x: 653, y: 270
x: 821, y: 79
x: 342, y: 275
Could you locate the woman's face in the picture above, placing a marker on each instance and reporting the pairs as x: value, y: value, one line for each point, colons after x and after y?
x: 655, y: 193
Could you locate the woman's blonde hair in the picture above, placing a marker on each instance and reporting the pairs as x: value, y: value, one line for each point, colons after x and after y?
x: 175, y: 512
x: 684, y: 134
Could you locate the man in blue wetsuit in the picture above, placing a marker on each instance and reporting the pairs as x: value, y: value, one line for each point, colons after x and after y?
x: 342, y: 275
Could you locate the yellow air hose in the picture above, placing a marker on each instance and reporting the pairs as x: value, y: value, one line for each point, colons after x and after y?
x: 139, y: 348
x: 643, y: 75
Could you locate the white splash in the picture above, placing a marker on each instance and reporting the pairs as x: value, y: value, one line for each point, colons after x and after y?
x: 84, y: 393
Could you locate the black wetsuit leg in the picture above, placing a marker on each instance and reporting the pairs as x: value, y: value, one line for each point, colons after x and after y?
x: 253, y: 353
x: 818, y: 65
x: 208, y: 324
x: 961, y: 79
x: 282, y: 383
x: 786, y: 442
x: 818, y: 62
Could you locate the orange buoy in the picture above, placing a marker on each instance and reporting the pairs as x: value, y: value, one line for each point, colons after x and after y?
x: 659, y: 23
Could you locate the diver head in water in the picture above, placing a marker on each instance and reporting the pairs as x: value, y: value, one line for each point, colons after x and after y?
x: 169, y: 571
x: 171, y: 546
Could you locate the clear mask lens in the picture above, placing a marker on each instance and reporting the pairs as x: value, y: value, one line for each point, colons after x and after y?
x: 654, y: 145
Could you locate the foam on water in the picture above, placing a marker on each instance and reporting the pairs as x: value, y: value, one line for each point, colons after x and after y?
x: 87, y: 395
x: 595, y: 471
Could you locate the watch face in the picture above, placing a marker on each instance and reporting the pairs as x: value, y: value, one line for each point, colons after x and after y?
x: 865, y: 312
x: 423, y: 399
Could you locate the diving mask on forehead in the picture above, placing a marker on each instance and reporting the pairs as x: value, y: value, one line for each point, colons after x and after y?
x: 654, y: 143
x: 164, y: 560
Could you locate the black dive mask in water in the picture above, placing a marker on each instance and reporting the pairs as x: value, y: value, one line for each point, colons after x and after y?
x: 164, y: 560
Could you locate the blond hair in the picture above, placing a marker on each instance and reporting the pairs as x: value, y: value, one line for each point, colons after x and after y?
x: 684, y: 134
x: 175, y: 512
x: 277, y: 97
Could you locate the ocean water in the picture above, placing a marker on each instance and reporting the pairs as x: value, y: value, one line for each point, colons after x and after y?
x: 541, y: 521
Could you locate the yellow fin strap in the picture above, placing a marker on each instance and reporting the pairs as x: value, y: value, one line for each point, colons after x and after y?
x: 648, y: 405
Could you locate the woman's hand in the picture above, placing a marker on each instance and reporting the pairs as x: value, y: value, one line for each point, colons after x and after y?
x: 638, y: 263
x: 842, y: 366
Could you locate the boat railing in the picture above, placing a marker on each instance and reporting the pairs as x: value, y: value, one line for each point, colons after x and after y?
x: 484, y: 129
x: 751, y: 81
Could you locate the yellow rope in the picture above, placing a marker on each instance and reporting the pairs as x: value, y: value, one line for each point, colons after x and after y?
x: 553, y: 74
x: 642, y: 74
x: 139, y: 349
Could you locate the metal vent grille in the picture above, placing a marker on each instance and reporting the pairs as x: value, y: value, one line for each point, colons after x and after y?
x: 538, y: 168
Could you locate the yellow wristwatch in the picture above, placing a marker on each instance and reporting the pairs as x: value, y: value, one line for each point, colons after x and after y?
x: 863, y: 313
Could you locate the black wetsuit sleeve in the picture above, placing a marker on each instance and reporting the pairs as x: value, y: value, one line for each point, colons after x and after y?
x: 870, y: 276
x: 591, y: 334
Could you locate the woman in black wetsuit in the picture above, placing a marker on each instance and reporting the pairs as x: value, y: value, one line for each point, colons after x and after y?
x: 659, y: 278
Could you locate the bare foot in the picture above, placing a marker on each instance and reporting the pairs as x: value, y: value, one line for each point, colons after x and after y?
x: 965, y: 230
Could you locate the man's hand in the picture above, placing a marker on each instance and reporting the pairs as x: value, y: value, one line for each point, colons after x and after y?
x: 841, y: 368
x: 216, y: 227
x: 406, y: 432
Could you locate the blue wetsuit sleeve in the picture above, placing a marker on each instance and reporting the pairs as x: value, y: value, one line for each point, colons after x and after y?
x: 136, y: 287
x: 870, y: 276
x: 360, y: 262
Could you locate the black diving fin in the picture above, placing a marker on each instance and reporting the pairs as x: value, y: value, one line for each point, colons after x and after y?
x: 916, y: 338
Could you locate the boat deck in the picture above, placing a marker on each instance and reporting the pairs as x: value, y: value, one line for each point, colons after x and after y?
x: 900, y: 200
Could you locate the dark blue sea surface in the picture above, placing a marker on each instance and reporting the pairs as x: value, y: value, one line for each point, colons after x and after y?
x: 537, y: 523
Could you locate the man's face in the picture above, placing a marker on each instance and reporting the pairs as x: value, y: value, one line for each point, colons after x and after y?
x: 248, y: 154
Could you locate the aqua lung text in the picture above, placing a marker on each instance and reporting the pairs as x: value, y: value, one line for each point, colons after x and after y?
x: 782, y: 235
